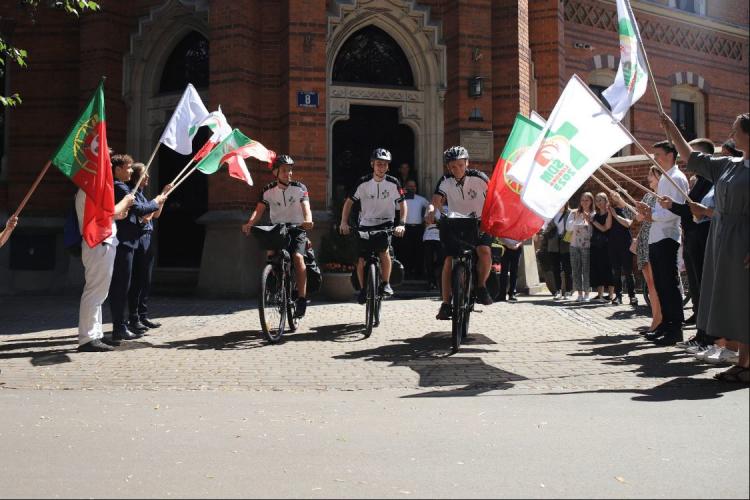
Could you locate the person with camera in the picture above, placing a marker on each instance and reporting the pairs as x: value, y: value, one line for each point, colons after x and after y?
x: 378, y: 195
x: 288, y: 202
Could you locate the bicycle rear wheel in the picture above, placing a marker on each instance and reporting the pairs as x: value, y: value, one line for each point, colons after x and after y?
x: 291, y: 307
x: 459, y: 276
x: 273, y: 306
x: 371, y: 306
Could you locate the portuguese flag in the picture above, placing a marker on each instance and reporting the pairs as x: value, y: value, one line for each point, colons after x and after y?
x: 504, y: 215
x: 84, y: 157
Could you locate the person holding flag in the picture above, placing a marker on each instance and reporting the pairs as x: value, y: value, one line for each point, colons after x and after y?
x: 9, y: 227
x: 288, y: 202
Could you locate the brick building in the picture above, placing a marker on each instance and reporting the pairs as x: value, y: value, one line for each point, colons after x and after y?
x: 325, y: 81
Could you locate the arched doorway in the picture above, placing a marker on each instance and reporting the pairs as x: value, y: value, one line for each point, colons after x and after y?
x: 386, y: 85
x: 179, y: 238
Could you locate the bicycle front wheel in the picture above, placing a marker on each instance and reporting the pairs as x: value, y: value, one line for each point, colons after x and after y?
x: 371, y: 306
x: 273, y: 306
x: 459, y: 278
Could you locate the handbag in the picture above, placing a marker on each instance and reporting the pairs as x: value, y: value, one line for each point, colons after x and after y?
x: 568, y: 236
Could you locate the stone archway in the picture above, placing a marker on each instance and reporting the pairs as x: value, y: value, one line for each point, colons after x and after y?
x: 421, y: 108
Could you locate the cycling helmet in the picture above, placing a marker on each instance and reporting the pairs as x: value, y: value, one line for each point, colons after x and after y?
x: 282, y: 160
x: 455, y: 153
x: 380, y: 154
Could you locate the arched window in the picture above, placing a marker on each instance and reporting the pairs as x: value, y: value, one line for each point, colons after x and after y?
x: 188, y: 63
x: 688, y: 110
x: 370, y: 56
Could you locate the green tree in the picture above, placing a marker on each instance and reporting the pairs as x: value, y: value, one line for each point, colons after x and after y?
x: 17, y: 55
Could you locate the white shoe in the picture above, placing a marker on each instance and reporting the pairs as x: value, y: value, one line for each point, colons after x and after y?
x: 586, y: 297
x: 579, y: 298
x: 557, y: 296
x: 695, y: 349
x: 723, y: 355
x: 685, y: 344
x: 701, y: 355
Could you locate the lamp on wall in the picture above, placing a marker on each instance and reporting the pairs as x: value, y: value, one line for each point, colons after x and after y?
x: 475, y: 86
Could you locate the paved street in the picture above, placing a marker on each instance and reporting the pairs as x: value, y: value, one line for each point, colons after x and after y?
x: 547, y: 400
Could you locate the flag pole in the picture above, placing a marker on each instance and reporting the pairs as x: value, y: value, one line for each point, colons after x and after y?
x: 177, y: 177
x: 602, y: 184
x: 618, y: 187
x: 32, y: 188
x: 664, y: 172
x: 183, y: 178
x: 645, y: 59
x: 638, y: 184
x: 145, y: 171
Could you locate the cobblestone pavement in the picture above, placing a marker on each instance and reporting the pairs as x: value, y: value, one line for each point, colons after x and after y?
x: 534, y: 345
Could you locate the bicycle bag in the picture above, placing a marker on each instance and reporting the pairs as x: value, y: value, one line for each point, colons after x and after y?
x: 314, y: 275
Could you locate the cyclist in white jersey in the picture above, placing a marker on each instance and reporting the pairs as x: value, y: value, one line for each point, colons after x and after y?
x: 288, y: 203
x: 378, y: 195
x: 463, y: 190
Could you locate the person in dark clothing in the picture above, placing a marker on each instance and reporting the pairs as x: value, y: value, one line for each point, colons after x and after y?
x: 143, y: 258
x: 618, y: 245
x: 509, y: 270
x: 695, y: 235
x: 601, y: 270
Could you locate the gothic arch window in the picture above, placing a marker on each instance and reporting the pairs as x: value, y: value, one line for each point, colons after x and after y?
x: 371, y: 57
x: 188, y: 63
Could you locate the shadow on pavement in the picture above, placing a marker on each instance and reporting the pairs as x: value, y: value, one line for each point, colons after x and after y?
x: 429, y: 356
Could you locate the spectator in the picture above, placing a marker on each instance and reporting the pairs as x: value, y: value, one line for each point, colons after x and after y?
x: 409, y: 249
x: 433, y: 252
x: 405, y: 173
x: 579, y: 223
x: 557, y: 239
x: 601, y: 269
x: 642, y: 251
x: 509, y: 270
x: 618, y: 241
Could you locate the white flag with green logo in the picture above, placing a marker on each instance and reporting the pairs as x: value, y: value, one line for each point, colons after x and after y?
x: 632, y: 77
x: 579, y: 136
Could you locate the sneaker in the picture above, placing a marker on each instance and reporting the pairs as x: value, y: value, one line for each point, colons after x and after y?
x: 586, y: 297
x: 579, y: 298
x: 695, y: 349
x: 445, y: 312
x: 300, y: 306
x: 95, y: 346
x: 483, y: 296
x: 691, y: 342
x: 701, y: 355
x: 558, y: 296
x: 512, y: 298
x: 617, y: 300
x: 634, y: 301
x: 362, y: 296
x: 723, y: 355
x: 385, y: 289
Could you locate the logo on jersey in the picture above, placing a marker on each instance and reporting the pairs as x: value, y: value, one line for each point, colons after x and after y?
x: 472, y: 194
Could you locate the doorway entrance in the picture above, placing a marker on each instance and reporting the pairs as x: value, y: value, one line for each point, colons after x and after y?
x: 367, y: 128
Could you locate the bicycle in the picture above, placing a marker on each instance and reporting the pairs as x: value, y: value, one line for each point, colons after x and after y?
x: 278, y: 286
x: 462, y: 233
x: 372, y: 278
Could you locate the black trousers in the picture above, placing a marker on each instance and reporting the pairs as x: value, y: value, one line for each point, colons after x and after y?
x: 509, y: 272
x: 693, y: 252
x: 433, y: 261
x: 663, y: 258
x: 118, y: 287
x: 409, y: 250
x: 560, y: 265
x: 621, y: 260
x: 140, y: 284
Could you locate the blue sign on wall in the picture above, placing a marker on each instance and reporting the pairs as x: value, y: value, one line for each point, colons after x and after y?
x: 307, y: 99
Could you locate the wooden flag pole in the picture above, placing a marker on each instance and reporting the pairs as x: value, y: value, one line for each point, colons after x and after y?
x: 32, y: 189
x: 645, y: 59
x: 638, y: 184
x: 618, y: 187
x: 602, y: 184
x: 183, y: 178
x: 145, y: 171
x: 664, y: 172
x: 177, y: 177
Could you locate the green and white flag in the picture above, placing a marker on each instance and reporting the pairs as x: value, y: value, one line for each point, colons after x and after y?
x: 579, y: 136
x: 631, y: 80
x: 215, y: 159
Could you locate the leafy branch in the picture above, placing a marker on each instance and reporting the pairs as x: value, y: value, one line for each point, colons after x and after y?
x: 17, y: 55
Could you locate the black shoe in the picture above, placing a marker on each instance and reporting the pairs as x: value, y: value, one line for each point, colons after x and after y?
x: 386, y: 290
x: 136, y: 326
x: 110, y: 342
x: 690, y: 321
x: 634, y: 301
x: 95, y: 346
x: 150, y: 324
x: 483, y: 296
x: 617, y: 300
x: 512, y: 298
x: 300, y: 306
x: 362, y: 296
x: 671, y: 337
x: 125, y: 334
x: 445, y: 313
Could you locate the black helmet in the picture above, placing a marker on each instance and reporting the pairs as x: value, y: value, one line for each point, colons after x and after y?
x: 455, y: 153
x: 282, y: 160
x: 380, y: 154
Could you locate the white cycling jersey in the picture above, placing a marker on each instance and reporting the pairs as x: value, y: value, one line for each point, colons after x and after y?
x: 466, y: 196
x: 378, y: 200
x: 285, y: 205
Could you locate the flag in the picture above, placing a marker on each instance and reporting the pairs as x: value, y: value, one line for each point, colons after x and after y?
x: 235, y: 160
x: 84, y: 158
x: 217, y: 123
x: 503, y: 215
x: 579, y: 136
x: 185, y: 120
x: 631, y: 79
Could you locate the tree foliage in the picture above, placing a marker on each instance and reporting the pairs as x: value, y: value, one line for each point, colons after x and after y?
x: 9, y: 53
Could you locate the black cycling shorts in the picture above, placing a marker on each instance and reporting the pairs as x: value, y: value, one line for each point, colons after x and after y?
x: 298, y: 241
x: 377, y: 243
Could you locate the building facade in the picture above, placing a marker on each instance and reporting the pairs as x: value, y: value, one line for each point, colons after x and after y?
x: 326, y: 81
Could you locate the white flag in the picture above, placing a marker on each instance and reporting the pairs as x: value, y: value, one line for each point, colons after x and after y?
x: 632, y: 78
x: 185, y: 120
x: 217, y: 123
x: 580, y: 135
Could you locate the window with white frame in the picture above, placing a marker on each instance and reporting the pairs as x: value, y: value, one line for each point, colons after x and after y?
x: 688, y: 110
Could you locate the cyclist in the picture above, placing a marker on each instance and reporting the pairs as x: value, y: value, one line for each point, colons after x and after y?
x: 288, y: 203
x: 463, y: 190
x: 378, y: 195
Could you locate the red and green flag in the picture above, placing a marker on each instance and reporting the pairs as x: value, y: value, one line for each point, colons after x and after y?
x: 84, y: 158
x: 233, y: 151
x: 504, y: 215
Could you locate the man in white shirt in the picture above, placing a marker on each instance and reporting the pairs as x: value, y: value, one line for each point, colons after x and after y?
x: 664, y: 240
x: 409, y: 249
